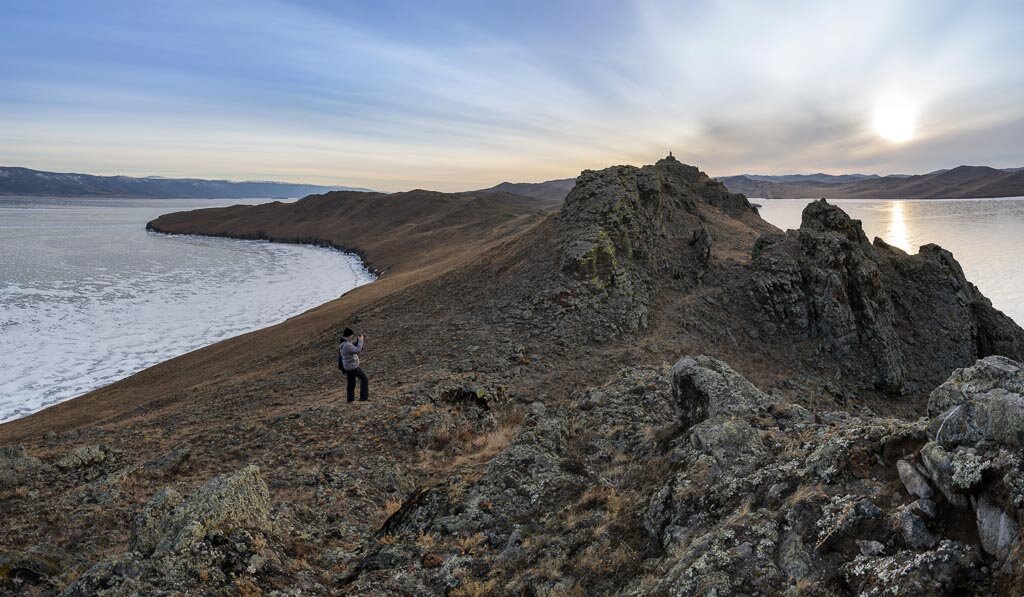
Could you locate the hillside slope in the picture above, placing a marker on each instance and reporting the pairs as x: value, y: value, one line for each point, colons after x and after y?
x: 553, y: 191
x: 526, y: 434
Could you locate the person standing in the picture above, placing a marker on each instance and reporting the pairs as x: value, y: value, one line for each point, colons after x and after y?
x: 349, y: 352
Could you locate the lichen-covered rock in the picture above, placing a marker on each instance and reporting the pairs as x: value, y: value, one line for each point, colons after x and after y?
x: 216, y: 541
x: 82, y: 456
x: 16, y: 465
x: 237, y: 501
x: 939, y: 465
x: 147, y: 529
x: 908, y: 573
x: 997, y: 415
x: 707, y: 388
x: 987, y: 374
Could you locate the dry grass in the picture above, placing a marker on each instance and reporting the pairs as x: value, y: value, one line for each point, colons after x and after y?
x: 804, y: 493
x: 426, y: 540
x: 420, y: 410
x: 450, y: 449
x: 604, y: 560
x: 474, y: 588
x: 390, y: 507
x: 468, y: 544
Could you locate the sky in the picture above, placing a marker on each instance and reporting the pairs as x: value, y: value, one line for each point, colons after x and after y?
x: 395, y: 95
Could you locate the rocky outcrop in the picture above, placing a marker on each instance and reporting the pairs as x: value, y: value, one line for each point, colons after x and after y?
x: 622, y: 227
x: 735, y: 491
x: 82, y: 456
x: 221, y: 538
x: 708, y: 388
x: 909, y: 318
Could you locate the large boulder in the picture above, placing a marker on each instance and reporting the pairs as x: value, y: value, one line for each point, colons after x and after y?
x: 705, y: 388
x: 987, y: 374
x: 984, y: 402
x: 82, y: 456
x: 237, y: 501
x: 998, y: 531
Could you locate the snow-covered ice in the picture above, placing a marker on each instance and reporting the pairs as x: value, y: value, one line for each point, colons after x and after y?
x: 88, y: 297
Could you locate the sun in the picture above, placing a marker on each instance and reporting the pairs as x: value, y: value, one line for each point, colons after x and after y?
x: 895, y: 118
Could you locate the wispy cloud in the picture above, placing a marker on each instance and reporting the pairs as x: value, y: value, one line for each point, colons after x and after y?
x: 453, y: 95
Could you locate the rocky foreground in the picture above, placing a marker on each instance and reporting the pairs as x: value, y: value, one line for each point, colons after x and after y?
x: 651, y: 391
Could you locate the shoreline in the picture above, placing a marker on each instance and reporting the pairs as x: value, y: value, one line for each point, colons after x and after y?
x: 310, y: 241
x: 93, y: 374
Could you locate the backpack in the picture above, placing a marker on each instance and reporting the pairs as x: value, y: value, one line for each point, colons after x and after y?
x: 341, y: 359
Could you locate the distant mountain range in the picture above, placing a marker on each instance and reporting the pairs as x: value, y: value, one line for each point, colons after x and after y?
x: 23, y: 181
x: 958, y: 183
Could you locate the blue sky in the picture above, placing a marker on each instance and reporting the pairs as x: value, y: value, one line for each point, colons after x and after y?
x: 458, y: 95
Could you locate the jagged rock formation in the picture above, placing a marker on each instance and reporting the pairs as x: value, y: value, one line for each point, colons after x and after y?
x: 528, y: 433
x: 872, y: 306
x: 623, y: 227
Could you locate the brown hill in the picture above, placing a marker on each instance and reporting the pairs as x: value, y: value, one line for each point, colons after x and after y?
x: 957, y: 183
x: 552, y: 191
x: 525, y: 434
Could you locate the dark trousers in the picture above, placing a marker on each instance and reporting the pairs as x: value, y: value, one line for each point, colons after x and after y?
x: 364, y: 384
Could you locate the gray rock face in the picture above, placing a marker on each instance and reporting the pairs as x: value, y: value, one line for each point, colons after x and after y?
x: 914, y: 481
x: 996, y: 416
x: 987, y: 374
x: 872, y: 306
x: 998, y: 531
x: 984, y: 402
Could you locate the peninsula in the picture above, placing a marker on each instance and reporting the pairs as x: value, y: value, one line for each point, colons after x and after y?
x: 646, y: 390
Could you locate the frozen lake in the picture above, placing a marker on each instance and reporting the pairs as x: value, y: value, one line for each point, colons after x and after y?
x: 88, y: 296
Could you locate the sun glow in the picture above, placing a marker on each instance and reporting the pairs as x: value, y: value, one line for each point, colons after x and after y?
x: 895, y: 118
